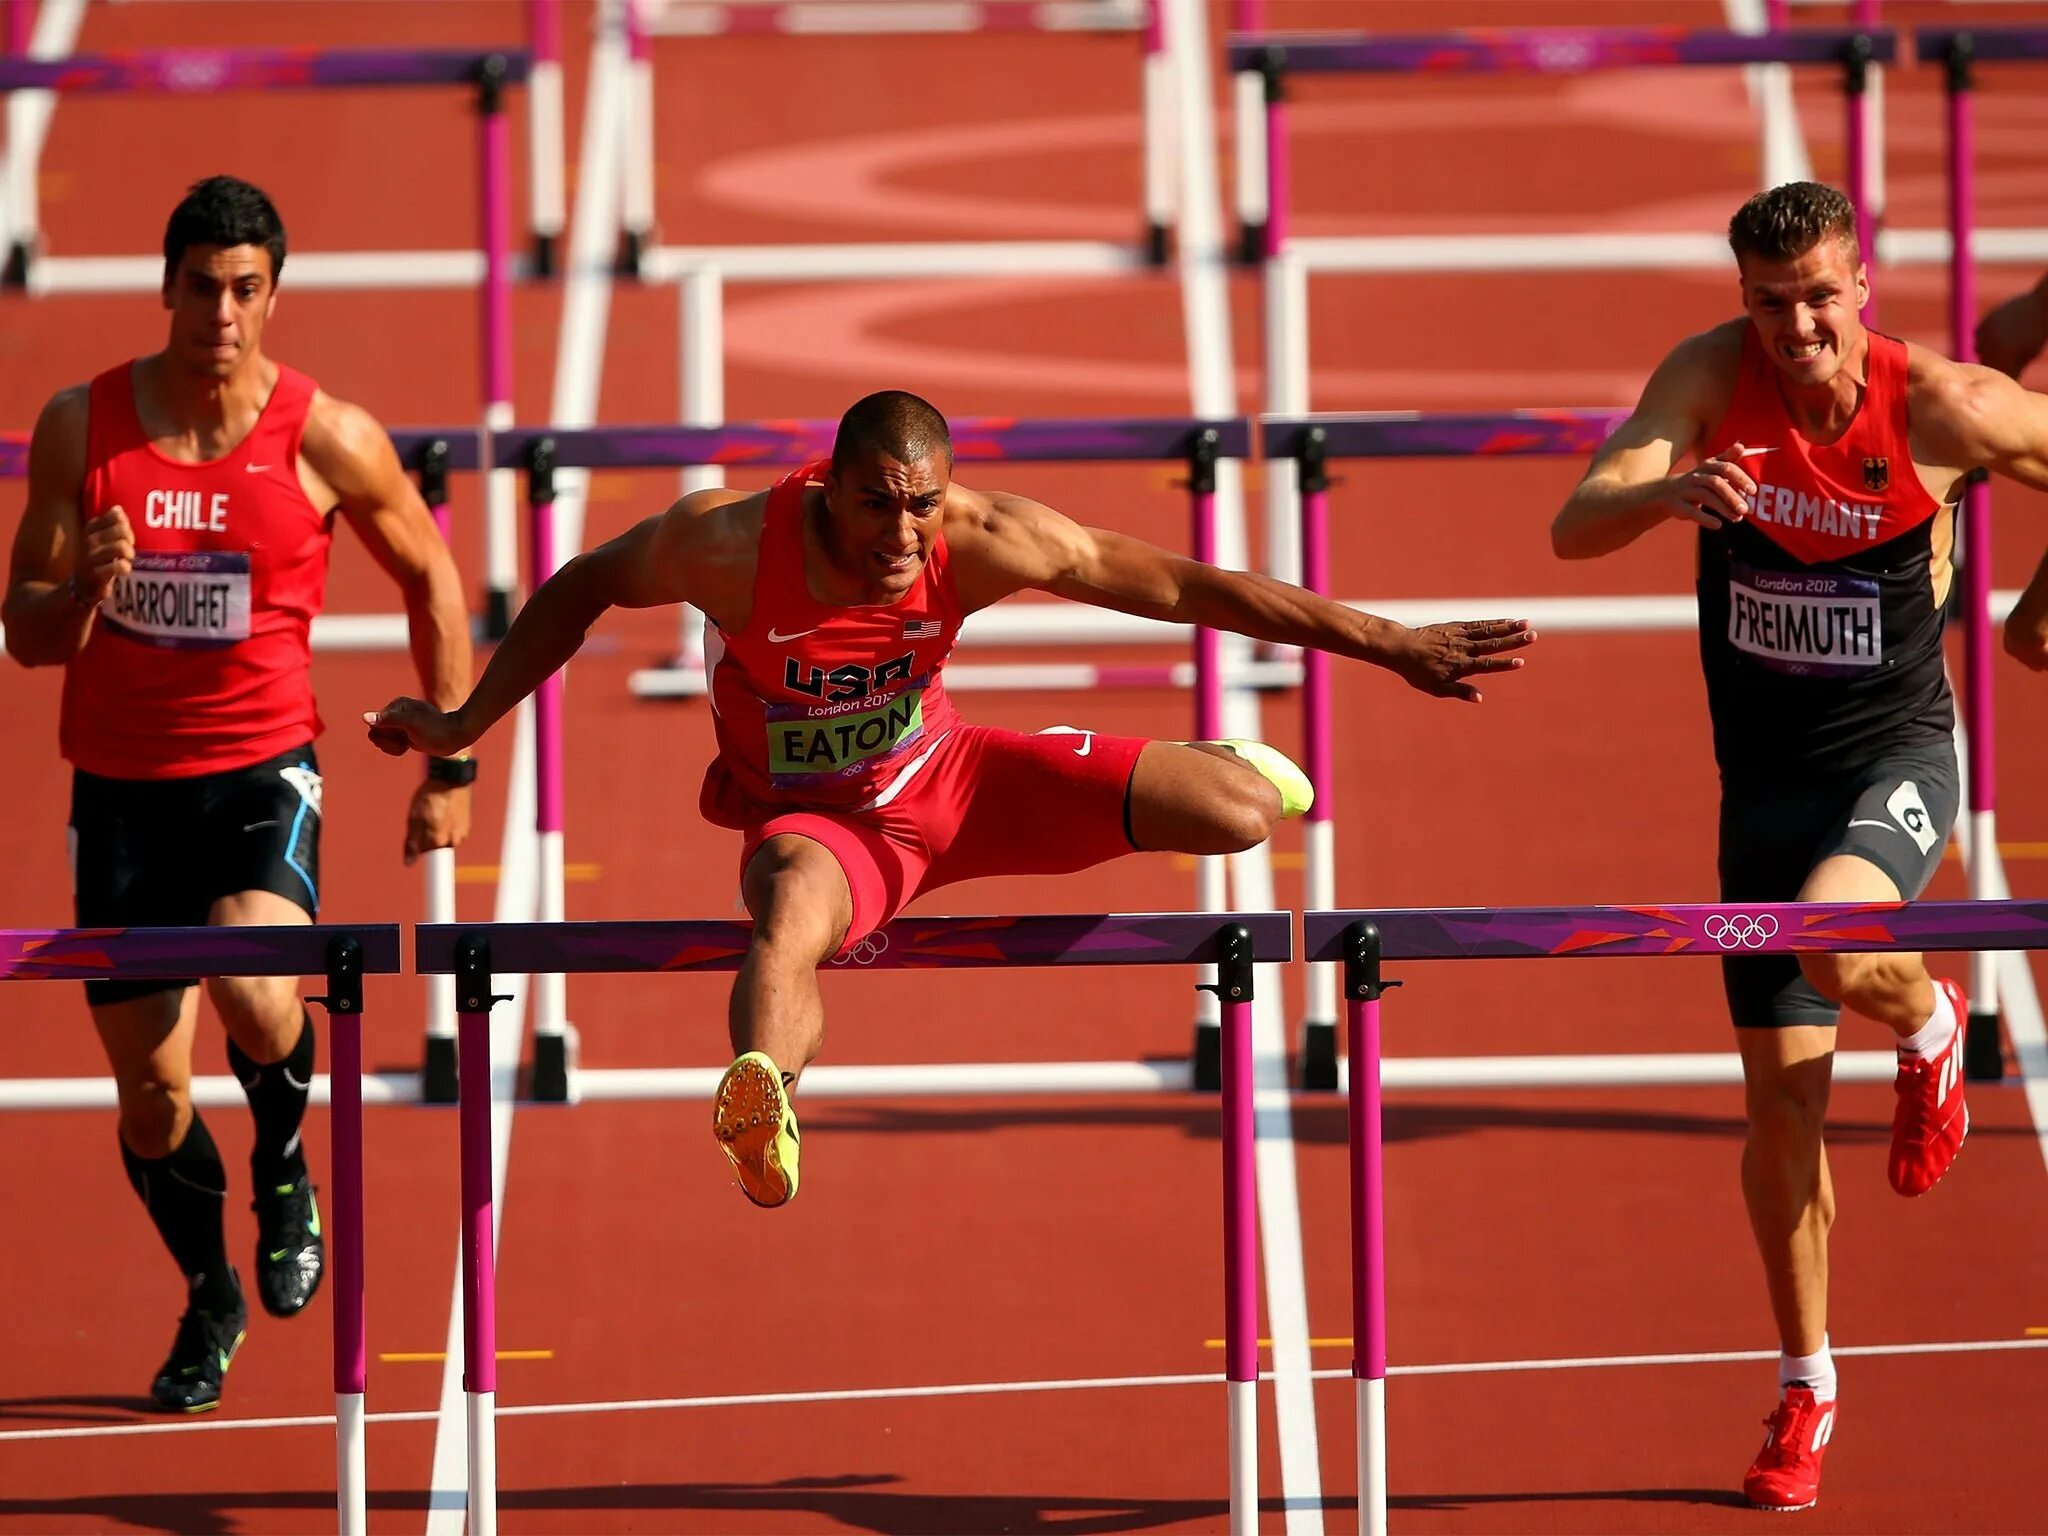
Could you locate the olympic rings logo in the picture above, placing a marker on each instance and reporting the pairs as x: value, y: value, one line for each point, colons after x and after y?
x: 1741, y: 931
x: 866, y: 952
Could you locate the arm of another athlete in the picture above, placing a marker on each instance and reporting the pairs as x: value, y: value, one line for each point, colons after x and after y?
x: 1630, y: 487
x: 1965, y: 417
x: 60, y: 568
x: 353, y: 457
x: 1008, y: 544
x: 690, y: 553
x: 2016, y: 332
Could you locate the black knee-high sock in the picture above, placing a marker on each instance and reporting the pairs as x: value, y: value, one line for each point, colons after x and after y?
x: 183, y: 1195
x: 277, y: 1098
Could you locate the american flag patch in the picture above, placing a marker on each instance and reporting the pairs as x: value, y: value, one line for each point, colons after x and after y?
x: 921, y: 629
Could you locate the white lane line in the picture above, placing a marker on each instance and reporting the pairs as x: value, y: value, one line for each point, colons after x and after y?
x: 1011, y: 1388
x: 1205, y: 306
x: 579, y: 363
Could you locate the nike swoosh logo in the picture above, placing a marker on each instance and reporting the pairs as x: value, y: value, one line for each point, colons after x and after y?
x: 775, y: 639
x: 257, y: 469
x: 1860, y: 822
x: 1087, y: 745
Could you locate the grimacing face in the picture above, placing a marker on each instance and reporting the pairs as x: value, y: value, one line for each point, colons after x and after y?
x: 1807, y: 311
x: 885, y: 516
x: 219, y: 298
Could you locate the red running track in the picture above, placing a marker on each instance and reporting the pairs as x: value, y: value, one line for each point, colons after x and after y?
x: 1006, y: 1240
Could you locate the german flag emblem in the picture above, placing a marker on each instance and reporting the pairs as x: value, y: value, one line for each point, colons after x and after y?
x: 1877, y: 474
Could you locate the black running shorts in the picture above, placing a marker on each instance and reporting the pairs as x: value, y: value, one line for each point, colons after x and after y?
x: 1897, y: 813
x: 160, y: 852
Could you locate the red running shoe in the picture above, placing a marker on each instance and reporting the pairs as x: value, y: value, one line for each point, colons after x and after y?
x: 1786, y: 1473
x: 1930, y: 1119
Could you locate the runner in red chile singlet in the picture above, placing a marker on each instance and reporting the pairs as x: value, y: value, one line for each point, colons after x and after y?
x: 1830, y: 462
x: 170, y: 558
x: 834, y: 600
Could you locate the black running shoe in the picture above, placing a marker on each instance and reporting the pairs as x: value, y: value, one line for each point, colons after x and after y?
x: 289, y: 1252
x: 190, y: 1379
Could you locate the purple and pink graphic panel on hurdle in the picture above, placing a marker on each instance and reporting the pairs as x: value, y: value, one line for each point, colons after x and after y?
x: 1551, y: 50
x: 1527, y: 933
x: 910, y: 943
x: 1446, y: 434
x: 95, y: 954
x: 978, y: 439
x: 200, y: 70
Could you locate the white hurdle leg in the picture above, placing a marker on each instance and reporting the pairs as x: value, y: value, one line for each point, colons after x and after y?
x: 501, y: 528
x: 1372, y: 1457
x: 1162, y: 117
x: 351, y: 1464
x: 437, y: 880
x: 483, y: 1464
x: 1286, y: 290
x: 702, y: 349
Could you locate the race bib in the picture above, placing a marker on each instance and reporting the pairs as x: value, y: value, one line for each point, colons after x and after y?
x: 804, y: 741
x: 1806, y: 623
x: 198, y: 600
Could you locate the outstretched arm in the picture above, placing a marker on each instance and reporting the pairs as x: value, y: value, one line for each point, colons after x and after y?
x: 2015, y: 333
x: 1019, y: 544
x: 1630, y: 487
x: 349, y: 450
x: 649, y: 564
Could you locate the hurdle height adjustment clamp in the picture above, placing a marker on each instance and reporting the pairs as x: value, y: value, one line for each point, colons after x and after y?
x: 1362, y: 980
x: 1233, y: 984
x: 344, y: 975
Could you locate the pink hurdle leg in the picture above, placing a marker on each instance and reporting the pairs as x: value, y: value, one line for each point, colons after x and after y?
x: 479, y: 1270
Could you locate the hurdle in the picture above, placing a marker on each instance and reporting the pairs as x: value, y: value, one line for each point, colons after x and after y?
x: 542, y: 452
x: 1361, y: 940
x: 1960, y: 51
x: 1288, y: 260
x: 1234, y: 943
x: 211, y: 71
x: 646, y: 20
x: 344, y: 955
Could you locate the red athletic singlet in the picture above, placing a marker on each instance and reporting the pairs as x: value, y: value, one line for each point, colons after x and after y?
x: 1819, y: 632
x: 820, y: 706
x: 199, y: 659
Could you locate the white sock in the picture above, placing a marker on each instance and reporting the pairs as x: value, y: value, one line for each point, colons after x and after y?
x: 1817, y: 1370
x: 1931, y: 1038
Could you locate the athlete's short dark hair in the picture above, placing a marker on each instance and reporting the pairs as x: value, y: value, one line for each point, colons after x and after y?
x: 895, y: 424
x: 223, y: 211
x: 1790, y: 220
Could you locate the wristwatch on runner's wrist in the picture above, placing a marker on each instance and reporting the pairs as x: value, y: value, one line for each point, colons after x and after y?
x: 452, y: 770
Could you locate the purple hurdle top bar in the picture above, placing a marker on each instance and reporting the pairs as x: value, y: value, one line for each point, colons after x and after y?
x: 1988, y: 45
x: 1550, y: 50
x: 777, y: 443
x: 910, y: 943
x: 464, y: 452
x: 199, y: 70
x: 1452, y: 435
x: 150, y: 954
x: 463, y: 449
x: 1532, y: 933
